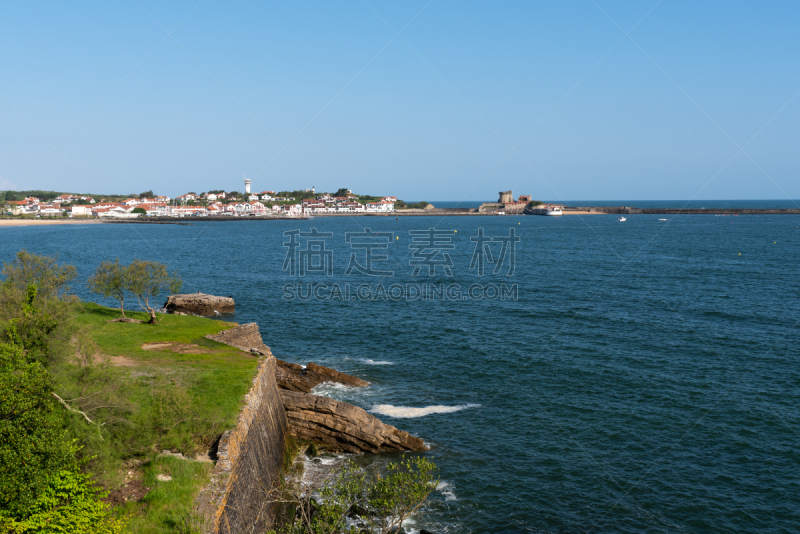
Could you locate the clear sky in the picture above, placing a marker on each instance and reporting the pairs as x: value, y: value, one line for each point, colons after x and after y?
x: 700, y: 100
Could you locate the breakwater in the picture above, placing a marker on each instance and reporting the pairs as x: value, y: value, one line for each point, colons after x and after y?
x: 720, y: 211
x: 194, y: 219
x: 626, y: 210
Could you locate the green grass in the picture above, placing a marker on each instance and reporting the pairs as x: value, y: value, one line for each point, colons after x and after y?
x: 157, y: 399
x: 127, y: 338
x: 182, y: 401
x: 168, y: 506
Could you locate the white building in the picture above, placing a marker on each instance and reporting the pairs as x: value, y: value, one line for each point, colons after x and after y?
x: 49, y: 210
x: 380, y: 207
x: 80, y: 211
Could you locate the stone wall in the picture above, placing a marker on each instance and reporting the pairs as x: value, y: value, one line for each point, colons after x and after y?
x: 245, y: 337
x: 250, y: 456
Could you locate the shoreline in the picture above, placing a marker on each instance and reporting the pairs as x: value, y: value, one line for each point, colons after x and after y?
x: 436, y: 212
x: 45, y: 222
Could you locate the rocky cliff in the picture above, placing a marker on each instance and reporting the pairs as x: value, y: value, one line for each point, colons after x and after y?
x: 250, y: 457
x: 295, y: 377
x: 339, y: 426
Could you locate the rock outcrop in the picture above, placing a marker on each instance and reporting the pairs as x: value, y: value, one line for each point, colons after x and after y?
x: 293, y: 377
x: 199, y: 304
x: 342, y: 427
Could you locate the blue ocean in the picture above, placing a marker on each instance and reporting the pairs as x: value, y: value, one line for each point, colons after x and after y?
x: 571, y: 374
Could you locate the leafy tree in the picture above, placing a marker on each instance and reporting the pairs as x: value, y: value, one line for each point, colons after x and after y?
x: 410, y: 205
x: 147, y: 280
x: 51, y: 280
x: 341, y: 192
x: 297, y: 195
x: 140, y: 211
x: 43, y: 318
x: 147, y: 194
x: 380, y: 503
x: 33, y: 329
x: 109, y: 280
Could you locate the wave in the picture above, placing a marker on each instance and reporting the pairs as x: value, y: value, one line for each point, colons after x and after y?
x: 407, y: 412
x: 446, y: 489
x: 373, y: 362
x: 332, y: 389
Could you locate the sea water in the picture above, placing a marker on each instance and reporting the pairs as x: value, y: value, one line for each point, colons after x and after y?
x: 643, y: 378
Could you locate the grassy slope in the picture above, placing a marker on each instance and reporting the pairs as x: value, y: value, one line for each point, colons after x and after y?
x: 179, y: 401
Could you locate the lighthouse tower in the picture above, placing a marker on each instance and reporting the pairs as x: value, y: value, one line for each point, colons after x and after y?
x: 247, y: 183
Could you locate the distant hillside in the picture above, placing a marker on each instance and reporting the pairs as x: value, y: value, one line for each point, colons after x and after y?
x: 46, y: 196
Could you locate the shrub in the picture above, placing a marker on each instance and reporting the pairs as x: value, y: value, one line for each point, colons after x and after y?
x: 35, y: 297
x: 32, y: 441
x: 70, y: 502
x: 380, y: 503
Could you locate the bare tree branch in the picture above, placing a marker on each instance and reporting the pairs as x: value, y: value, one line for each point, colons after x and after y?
x: 71, y: 409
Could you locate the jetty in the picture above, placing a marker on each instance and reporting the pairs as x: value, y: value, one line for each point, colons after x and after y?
x: 625, y: 210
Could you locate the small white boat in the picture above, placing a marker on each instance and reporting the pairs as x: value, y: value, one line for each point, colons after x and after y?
x: 501, y: 213
x: 663, y: 219
x: 554, y: 212
x: 622, y: 219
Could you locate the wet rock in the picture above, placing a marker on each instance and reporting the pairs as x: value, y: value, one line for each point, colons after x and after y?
x: 199, y: 304
x: 293, y: 377
x: 341, y: 427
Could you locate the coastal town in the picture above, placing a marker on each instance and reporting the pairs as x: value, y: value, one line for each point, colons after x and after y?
x: 206, y: 204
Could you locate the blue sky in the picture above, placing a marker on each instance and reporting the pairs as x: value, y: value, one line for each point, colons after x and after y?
x: 430, y: 115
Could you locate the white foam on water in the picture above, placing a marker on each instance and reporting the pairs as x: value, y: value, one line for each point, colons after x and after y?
x: 408, y: 524
x: 327, y: 388
x: 446, y: 489
x: 407, y: 412
x: 316, y: 470
x: 373, y: 362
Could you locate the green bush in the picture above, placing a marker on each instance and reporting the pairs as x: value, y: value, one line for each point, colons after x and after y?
x: 381, y: 503
x: 33, y: 443
x: 34, y: 297
x: 70, y: 503
x: 41, y: 487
